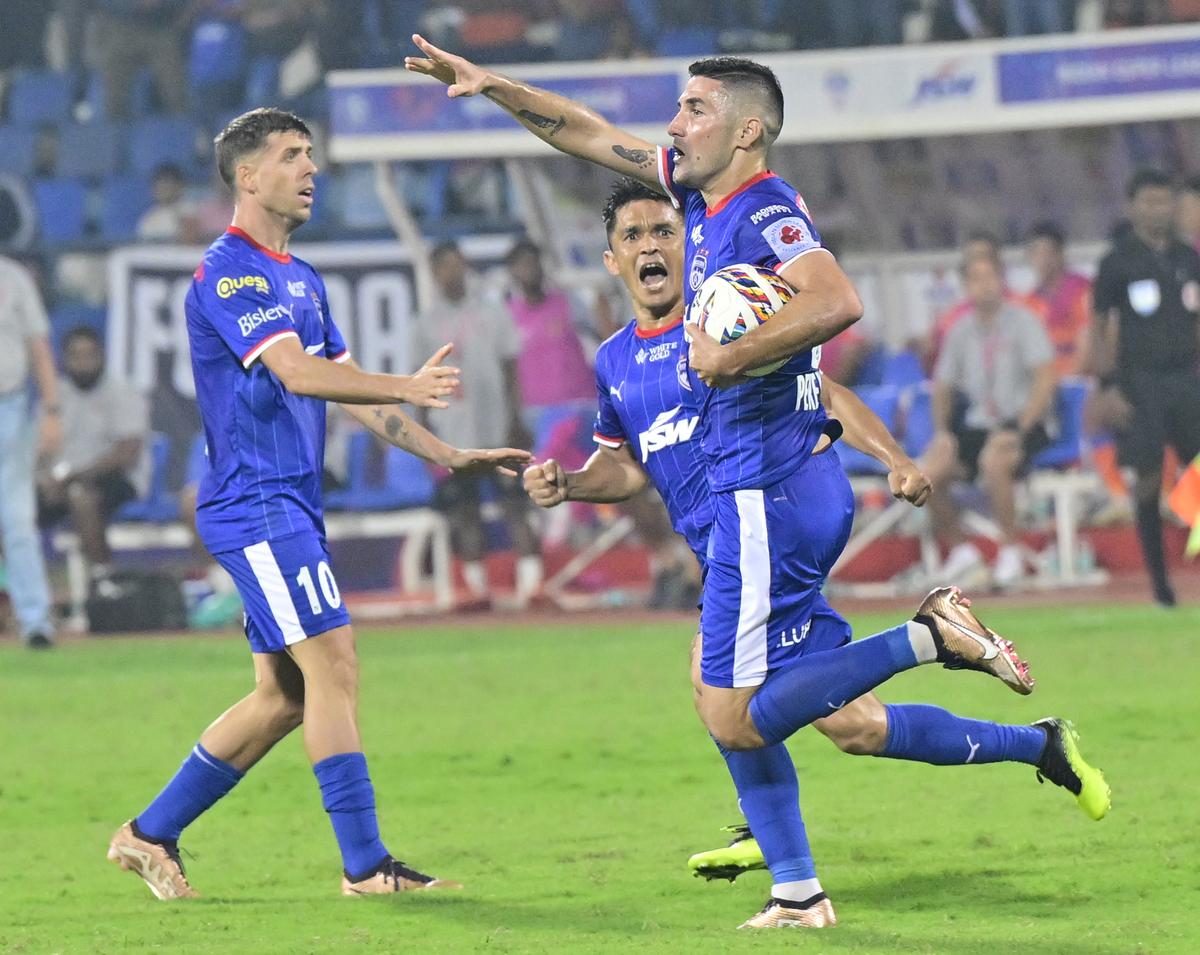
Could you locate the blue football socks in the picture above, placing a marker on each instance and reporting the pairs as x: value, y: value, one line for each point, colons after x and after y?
x: 200, y: 782
x: 929, y: 734
x: 349, y: 798
x: 822, y: 683
x: 769, y: 795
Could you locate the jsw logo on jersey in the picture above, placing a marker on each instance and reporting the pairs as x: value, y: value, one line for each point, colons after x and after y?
x: 260, y: 316
x: 665, y: 431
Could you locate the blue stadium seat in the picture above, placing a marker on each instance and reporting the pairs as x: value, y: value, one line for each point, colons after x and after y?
x: 644, y: 14
x: 262, y: 81
x: 884, y: 400
x: 918, y: 421
x: 217, y: 54
x: 18, y: 149
x: 159, y: 505
x: 1069, y: 404
x: 687, y: 41
x: 162, y: 139
x: 89, y: 150
x: 406, y: 482
x: 41, y: 97
x: 902, y: 369
x: 62, y: 209
x: 123, y: 199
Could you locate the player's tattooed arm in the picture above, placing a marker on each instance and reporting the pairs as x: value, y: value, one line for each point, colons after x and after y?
x: 545, y: 123
x: 393, y: 424
x: 642, y: 158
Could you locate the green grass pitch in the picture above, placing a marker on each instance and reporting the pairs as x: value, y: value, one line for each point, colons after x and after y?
x: 560, y: 773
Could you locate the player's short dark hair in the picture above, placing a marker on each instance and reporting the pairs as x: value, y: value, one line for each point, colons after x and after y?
x: 624, y: 192
x: 1052, y: 231
x: 248, y: 133
x: 523, y: 246
x: 1146, y: 178
x: 445, y: 247
x: 85, y: 332
x: 746, y: 75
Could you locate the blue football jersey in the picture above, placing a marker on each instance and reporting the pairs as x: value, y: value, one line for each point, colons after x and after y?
x: 755, y: 433
x: 266, y: 446
x: 645, y: 401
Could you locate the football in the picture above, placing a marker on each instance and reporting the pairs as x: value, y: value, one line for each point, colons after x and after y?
x: 737, y: 299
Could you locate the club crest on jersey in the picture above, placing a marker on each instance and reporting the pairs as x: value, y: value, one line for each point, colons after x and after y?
x: 666, y: 431
x: 227, y: 286
x: 699, y: 267
x: 681, y: 372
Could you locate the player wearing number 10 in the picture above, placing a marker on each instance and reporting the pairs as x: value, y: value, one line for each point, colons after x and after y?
x: 267, y: 356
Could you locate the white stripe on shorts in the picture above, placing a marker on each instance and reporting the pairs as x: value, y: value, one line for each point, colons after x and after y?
x: 275, y: 589
x: 754, y: 565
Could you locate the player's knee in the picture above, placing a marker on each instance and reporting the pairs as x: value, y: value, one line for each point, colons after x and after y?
x: 734, y: 731
x: 865, y: 737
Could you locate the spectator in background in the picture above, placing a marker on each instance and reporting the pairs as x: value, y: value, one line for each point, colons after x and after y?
x: 486, y: 407
x: 966, y: 19
x: 1064, y: 298
x: 1188, y: 218
x: 993, y: 389
x: 130, y: 34
x: 1120, y: 14
x: 978, y: 243
x: 103, y: 462
x: 1147, y: 301
x: 23, y: 33
x: 556, y: 381
x: 23, y: 346
x: 172, y: 218
x: 1030, y: 17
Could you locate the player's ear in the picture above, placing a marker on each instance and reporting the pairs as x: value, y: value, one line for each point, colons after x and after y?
x: 751, y: 132
x: 244, y: 177
x: 610, y: 263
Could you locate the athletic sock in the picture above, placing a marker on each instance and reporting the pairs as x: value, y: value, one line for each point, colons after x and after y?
x: 200, y: 782
x: 769, y: 795
x: 349, y: 798
x: 929, y: 734
x: 1149, y: 529
x: 806, y: 890
x: 820, y: 684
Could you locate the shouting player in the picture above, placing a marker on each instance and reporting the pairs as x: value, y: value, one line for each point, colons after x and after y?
x: 645, y: 427
x: 267, y: 356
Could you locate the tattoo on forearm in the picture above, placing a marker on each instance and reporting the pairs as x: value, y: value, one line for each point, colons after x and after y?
x: 394, y: 426
x: 543, y: 122
x: 639, y: 157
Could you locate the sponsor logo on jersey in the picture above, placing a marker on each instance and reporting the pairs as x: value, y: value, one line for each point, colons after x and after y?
x: 296, y: 289
x: 655, y: 353
x: 614, y: 391
x: 766, y: 212
x: 699, y: 267
x: 808, y: 391
x: 666, y: 431
x: 227, y: 286
x: 260, y: 316
x: 788, y: 236
x: 794, y: 639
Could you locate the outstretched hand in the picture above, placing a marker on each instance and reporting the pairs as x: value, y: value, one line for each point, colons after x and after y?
x: 462, y: 76
x: 505, y: 460
x: 432, y: 382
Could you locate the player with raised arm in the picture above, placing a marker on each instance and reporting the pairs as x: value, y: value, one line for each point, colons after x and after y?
x: 267, y: 356
x: 782, y: 509
x: 644, y: 428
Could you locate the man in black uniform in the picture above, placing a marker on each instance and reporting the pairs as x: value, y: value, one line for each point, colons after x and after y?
x: 1147, y: 301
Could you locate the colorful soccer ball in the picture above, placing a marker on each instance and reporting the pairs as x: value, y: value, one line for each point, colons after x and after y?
x: 736, y: 299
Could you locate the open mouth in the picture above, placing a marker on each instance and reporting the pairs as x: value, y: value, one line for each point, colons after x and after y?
x: 307, y: 194
x: 652, y: 275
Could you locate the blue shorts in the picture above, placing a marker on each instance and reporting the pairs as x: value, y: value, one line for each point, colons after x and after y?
x: 287, y: 588
x: 768, y: 556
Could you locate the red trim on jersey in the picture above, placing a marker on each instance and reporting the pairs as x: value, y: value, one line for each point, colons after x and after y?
x: 606, y: 440
x: 198, y: 275
x: 247, y: 237
x: 264, y: 344
x: 765, y: 174
x: 643, y: 333
x: 343, y: 356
